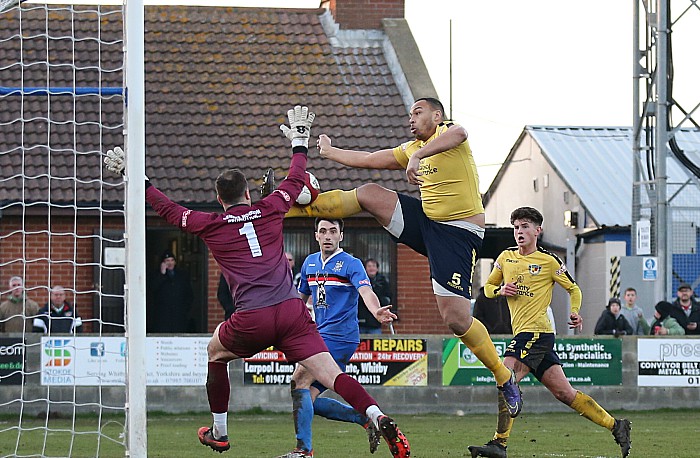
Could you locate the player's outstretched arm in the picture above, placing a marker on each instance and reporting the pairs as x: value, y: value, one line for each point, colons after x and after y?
x: 382, y: 159
x: 382, y: 314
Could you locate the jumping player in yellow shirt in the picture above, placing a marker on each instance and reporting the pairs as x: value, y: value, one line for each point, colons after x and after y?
x: 526, y: 274
x: 446, y: 224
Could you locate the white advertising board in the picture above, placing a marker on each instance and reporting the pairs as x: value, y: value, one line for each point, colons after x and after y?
x: 668, y: 362
x: 101, y: 361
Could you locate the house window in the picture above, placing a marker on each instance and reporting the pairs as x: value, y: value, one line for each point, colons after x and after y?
x: 535, y: 185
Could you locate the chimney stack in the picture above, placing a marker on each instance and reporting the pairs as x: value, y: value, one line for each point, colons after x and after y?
x: 363, y: 14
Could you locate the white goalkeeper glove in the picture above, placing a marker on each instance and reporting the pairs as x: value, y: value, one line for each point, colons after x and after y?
x: 299, y: 129
x: 114, y: 162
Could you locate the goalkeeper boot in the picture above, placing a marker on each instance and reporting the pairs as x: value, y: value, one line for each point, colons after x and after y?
x: 397, y: 442
x: 492, y: 449
x: 268, y: 183
x: 206, y: 437
x: 373, y: 436
x: 512, y: 395
x: 297, y: 453
x: 621, y: 432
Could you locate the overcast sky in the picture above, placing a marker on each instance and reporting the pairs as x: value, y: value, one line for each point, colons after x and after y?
x: 530, y: 62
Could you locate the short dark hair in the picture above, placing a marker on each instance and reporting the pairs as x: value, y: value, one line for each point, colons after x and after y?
x: 231, y: 186
x: 631, y: 289
x: 338, y: 221
x: 528, y: 214
x: 435, y: 104
x: 376, y: 263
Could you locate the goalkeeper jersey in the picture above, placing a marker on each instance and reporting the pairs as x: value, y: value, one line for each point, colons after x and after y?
x: 246, y: 240
x: 450, y: 188
x: 534, y: 275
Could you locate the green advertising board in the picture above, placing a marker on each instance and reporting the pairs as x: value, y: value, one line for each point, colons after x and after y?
x: 585, y: 362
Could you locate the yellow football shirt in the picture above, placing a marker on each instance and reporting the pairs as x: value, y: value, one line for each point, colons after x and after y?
x: 450, y: 188
x: 534, y: 275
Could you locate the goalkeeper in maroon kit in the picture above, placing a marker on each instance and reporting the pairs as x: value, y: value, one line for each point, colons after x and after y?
x: 247, y: 244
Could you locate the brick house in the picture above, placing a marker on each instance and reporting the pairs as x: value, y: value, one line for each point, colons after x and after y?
x: 218, y: 82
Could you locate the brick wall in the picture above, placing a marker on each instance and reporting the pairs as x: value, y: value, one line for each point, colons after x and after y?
x: 363, y: 14
x: 215, y: 313
x: 28, y: 254
x: 415, y: 300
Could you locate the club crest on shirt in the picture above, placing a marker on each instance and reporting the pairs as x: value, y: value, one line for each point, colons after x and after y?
x: 534, y: 269
x: 338, y: 266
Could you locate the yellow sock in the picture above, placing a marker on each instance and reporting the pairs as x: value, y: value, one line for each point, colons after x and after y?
x: 505, y: 422
x: 477, y: 339
x: 587, y: 407
x: 329, y: 204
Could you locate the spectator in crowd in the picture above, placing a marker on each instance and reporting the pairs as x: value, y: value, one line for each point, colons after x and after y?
x: 493, y: 312
x: 296, y: 275
x: 223, y: 294
x: 686, y: 309
x: 16, y: 311
x: 612, y: 321
x: 58, y: 316
x: 665, y: 324
x: 171, y: 297
x: 634, y: 313
x: 380, y: 286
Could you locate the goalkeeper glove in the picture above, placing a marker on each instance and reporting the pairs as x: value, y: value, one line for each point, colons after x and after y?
x: 299, y: 129
x: 114, y: 162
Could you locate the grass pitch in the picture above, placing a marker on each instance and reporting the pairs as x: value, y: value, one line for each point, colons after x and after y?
x: 668, y: 433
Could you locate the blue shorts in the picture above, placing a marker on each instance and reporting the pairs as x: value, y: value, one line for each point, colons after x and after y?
x: 341, y: 353
x: 452, y: 251
x: 535, y: 350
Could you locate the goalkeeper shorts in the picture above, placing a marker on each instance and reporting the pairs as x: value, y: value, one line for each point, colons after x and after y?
x: 286, y: 326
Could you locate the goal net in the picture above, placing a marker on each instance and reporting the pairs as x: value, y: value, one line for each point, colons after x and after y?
x: 64, y: 377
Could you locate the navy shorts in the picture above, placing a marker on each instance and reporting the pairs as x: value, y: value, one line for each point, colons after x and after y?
x: 287, y: 326
x: 452, y: 251
x: 341, y: 353
x: 535, y: 350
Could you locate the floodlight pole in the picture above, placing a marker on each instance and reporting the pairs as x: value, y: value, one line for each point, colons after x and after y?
x: 663, y: 222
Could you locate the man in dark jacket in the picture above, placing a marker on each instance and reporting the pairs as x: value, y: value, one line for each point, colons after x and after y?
x: 171, y: 298
x: 686, y: 309
x: 493, y: 312
x: 612, y: 322
x: 58, y: 316
x: 380, y: 286
x: 223, y: 294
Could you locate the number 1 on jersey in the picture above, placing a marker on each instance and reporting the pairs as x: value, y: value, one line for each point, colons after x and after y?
x: 249, y: 231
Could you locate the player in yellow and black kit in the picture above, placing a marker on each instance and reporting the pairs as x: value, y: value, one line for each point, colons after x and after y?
x: 526, y: 275
x: 446, y: 224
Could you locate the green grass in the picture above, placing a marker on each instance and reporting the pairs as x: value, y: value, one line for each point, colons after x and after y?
x: 667, y: 433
